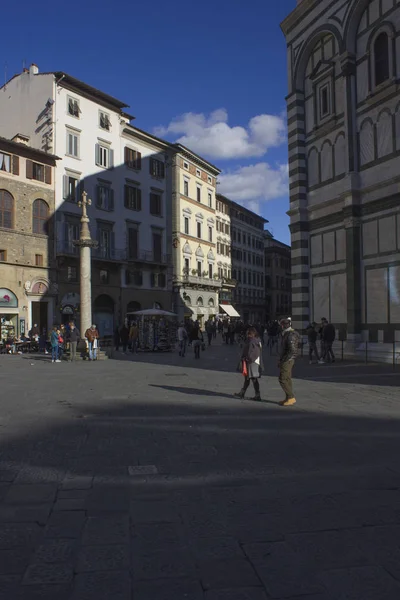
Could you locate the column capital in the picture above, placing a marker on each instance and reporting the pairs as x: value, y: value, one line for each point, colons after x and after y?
x: 348, y: 64
x: 86, y: 243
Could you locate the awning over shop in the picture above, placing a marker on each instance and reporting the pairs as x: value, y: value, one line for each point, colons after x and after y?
x: 230, y: 311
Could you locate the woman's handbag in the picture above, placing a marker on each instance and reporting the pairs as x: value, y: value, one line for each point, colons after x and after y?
x: 203, y: 346
x: 245, y: 371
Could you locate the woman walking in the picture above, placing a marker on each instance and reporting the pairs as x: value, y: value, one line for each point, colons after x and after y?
x: 54, y: 345
x: 251, y: 364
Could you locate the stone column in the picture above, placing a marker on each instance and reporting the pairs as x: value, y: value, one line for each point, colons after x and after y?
x: 85, y: 243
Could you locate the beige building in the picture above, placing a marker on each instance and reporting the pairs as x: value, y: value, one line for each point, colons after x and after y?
x: 195, y: 278
x: 344, y: 156
x: 28, y: 286
x: 224, y: 256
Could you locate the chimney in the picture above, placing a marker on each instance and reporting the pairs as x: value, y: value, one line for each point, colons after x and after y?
x: 24, y: 70
x: 33, y: 69
x: 20, y: 138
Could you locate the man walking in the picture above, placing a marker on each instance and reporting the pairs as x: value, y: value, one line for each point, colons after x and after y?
x: 289, y: 350
x: 328, y: 335
x: 73, y: 337
x: 312, y: 335
x: 92, y: 336
x: 182, y: 339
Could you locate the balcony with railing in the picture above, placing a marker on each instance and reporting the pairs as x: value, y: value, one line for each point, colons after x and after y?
x: 199, y: 279
x: 68, y: 248
x: 148, y: 256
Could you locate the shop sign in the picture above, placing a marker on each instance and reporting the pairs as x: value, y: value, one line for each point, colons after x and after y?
x: 7, y: 299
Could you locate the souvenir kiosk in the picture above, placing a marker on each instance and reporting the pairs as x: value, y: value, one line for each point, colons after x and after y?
x: 157, y: 329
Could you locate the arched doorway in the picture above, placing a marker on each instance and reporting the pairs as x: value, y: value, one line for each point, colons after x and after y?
x: 103, y: 315
x: 133, y: 307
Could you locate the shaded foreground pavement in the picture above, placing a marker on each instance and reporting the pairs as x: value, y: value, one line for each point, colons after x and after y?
x: 145, y: 480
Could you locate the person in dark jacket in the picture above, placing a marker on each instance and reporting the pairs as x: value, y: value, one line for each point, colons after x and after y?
x: 251, y: 363
x: 289, y: 351
x: 328, y: 335
x: 312, y: 335
x: 73, y: 337
x: 124, y: 335
x: 197, y: 339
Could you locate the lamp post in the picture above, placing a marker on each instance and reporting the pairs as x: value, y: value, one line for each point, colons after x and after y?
x: 85, y: 243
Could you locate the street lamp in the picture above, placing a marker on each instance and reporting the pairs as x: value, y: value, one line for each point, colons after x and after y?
x: 85, y: 243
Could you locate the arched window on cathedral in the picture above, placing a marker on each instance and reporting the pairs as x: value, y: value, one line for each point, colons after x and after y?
x: 381, y: 57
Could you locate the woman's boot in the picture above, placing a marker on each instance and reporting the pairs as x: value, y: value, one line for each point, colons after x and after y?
x: 242, y: 392
x: 257, y: 397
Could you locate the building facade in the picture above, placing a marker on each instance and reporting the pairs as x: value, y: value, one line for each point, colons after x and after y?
x: 278, y: 282
x: 196, y: 279
x: 344, y: 155
x: 28, y: 284
x: 224, y: 256
x: 124, y: 172
x: 247, y: 259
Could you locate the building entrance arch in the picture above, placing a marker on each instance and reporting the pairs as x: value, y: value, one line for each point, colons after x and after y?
x: 103, y: 315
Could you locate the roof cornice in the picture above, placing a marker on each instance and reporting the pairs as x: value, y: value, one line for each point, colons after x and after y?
x: 241, y: 207
x: 27, y: 151
x: 297, y: 15
x: 144, y: 136
x: 189, y: 154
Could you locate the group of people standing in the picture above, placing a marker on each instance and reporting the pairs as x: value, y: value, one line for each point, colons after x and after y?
x: 127, y: 337
x: 326, y: 333
x: 64, y: 336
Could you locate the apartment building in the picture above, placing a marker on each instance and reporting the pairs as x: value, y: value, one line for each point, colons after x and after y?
x: 247, y: 259
x: 277, y: 278
x: 28, y: 284
x: 196, y: 279
x: 224, y: 257
x: 344, y: 156
x: 124, y: 172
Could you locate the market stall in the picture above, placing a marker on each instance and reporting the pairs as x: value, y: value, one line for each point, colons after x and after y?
x: 157, y: 329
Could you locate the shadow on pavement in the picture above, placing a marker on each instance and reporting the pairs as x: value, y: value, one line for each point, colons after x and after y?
x: 224, y: 358
x: 108, y: 489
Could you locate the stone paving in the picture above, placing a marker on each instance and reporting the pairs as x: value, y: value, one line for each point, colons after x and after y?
x: 141, y: 478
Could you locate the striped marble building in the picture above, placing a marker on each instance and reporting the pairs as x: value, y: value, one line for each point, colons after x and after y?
x: 343, y: 112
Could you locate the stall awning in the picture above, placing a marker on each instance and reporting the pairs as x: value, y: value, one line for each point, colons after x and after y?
x: 230, y: 311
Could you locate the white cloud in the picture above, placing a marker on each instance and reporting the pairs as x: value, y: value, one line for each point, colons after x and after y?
x: 255, y: 184
x: 212, y: 136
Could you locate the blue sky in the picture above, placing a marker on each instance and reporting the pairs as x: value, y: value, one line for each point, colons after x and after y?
x: 212, y: 74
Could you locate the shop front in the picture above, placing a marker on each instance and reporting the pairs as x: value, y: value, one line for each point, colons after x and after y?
x: 40, y: 294
x: 69, y: 308
x: 9, y: 315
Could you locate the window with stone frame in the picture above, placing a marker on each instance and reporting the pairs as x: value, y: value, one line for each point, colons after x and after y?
x: 156, y: 204
x: 133, y: 159
x: 6, y: 210
x: 40, y: 216
x: 104, y: 276
x: 381, y: 58
x: 132, y: 197
x: 72, y: 274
